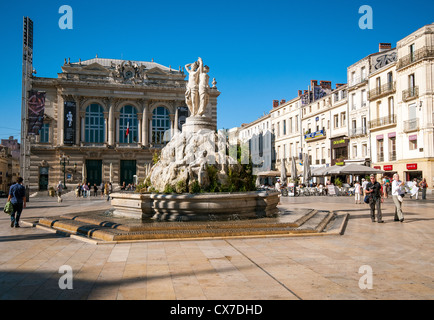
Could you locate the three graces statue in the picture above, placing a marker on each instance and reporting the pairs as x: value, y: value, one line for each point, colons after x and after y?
x: 197, y: 93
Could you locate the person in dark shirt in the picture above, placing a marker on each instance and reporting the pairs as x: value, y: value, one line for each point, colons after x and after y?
x: 373, y: 190
x: 17, y: 196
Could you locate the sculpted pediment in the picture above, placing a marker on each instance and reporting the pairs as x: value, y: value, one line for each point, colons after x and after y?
x: 95, y: 67
x: 156, y: 71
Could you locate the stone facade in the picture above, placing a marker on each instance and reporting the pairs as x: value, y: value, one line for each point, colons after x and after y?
x: 109, y: 99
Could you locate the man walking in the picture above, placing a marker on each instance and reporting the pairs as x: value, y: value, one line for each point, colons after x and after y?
x: 397, y: 197
x: 17, y: 196
x: 373, y: 189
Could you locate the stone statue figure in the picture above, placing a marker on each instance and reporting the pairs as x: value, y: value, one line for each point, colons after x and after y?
x: 197, y: 169
x: 192, y: 92
x: 197, y: 93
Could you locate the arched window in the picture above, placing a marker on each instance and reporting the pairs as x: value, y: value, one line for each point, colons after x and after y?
x: 160, y: 124
x: 94, y: 124
x: 128, y: 125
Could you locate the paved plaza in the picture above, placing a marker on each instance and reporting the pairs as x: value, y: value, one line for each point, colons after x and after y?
x: 400, y: 256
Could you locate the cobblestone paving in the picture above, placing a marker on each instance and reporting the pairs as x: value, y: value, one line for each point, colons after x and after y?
x: 399, y: 254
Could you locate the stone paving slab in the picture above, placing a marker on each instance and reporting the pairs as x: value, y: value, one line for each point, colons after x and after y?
x: 401, y: 256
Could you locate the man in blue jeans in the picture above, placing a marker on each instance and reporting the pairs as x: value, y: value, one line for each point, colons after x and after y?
x: 17, y: 196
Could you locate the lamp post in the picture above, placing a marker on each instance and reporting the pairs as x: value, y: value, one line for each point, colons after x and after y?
x: 64, y: 160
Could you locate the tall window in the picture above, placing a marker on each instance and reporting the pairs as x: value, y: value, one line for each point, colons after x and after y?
x: 128, y: 124
x: 44, y: 133
x: 94, y: 124
x: 160, y: 124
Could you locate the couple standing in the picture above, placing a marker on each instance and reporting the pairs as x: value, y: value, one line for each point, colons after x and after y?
x: 197, y: 93
x: 375, y: 192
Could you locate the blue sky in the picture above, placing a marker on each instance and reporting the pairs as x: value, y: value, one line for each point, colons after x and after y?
x: 258, y: 51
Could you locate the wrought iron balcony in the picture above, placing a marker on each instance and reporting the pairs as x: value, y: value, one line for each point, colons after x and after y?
x: 383, y: 121
x: 411, y: 125
x: 422, y: 53
x: 358, y: 132
x: 392, y: 156
x: 410, y: 93
x: 385, y: 89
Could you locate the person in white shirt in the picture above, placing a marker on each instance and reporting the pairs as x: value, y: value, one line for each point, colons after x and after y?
x: 397, y: 194
x: 357, y: 192
x: 364, y: 183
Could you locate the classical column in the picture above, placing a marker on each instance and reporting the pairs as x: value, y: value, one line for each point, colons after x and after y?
x: 140, y: 125
x: 111, y: 120
x: 150, y: 130
x: 145, y: 140
x: 176, y: 120
x: 106, y: 115
x: 82, y: 119
x: 77, y: 100
x: 117, y: 127
x: 60, y: 119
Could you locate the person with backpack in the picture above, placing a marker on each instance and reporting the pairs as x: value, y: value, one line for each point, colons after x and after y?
x: 17, y: 196
x: 373, y: 190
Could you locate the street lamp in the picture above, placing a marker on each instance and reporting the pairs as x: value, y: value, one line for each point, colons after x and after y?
x: 64, y: 160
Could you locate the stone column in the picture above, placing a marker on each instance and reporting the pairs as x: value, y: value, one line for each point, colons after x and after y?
x: 140, y: 125
x: 111, y: 120
x: 106, y: 115
x: 77, y: 119
x: 82, y: 121
x: 60, y: 119
x: 176, y: 120
x: 117, y: 126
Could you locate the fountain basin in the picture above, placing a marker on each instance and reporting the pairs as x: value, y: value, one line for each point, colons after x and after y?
x: 195, y: 207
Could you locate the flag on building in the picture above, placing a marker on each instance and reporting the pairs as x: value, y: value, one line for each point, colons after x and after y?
x: 128, y: 130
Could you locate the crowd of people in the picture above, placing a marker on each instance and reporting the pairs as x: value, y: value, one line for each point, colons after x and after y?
x: 86, y: 190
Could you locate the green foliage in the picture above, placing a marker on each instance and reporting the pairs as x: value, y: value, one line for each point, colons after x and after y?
x: 338, y: 182
x: 169, y: 189
x: 181, y: 187
x: 156, y: 156
x: 194, y: 187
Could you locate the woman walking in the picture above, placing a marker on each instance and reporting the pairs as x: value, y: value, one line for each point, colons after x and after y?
x: 357, y: 192
x: 397, y: 195
x: 423, y: 185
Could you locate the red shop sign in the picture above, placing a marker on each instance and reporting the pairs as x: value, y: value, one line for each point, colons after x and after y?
x: 377, y: 167
x: 411, y: 166
x: 388, y: 168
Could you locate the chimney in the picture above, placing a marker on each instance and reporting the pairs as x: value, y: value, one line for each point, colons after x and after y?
x: 384, y: 47
x: 313, y: 83
x: 282, y: 101
x: 300, y: 93
x: 305, y: 91
x: 325, y: 84
x: 275, y: 103
x: 339, y: 85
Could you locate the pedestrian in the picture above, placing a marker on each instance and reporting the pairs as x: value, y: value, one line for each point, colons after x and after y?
x: 373, y: 190
x: 109, y: 190
x: 17, y: 196
x: 95, y: 190
x: 397, y: 195
x: 77, y: 191
x: 414, y: 189
x: 102, y: 189
x: 59, y: 190
x: 277, y: 186
x: 423, y: 185
x: 357, y: 192
x: 85, y: 190
x: 364, y: 183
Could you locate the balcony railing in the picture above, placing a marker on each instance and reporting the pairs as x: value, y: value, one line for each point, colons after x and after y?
x: 392, y: 156
x: 411, y: 125
x: 383, y: 121
x: 358, y: 132
x: 410, y: 93
x: 385, y: 89
x: 422, y: 53
x: 360, y: 79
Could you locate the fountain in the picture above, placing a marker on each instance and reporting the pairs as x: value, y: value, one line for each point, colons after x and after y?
x: 191, y: 167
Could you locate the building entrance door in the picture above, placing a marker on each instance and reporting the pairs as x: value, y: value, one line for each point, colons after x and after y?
x: 128, y: 170
x: 43, y: 178
x: 94, y: 172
